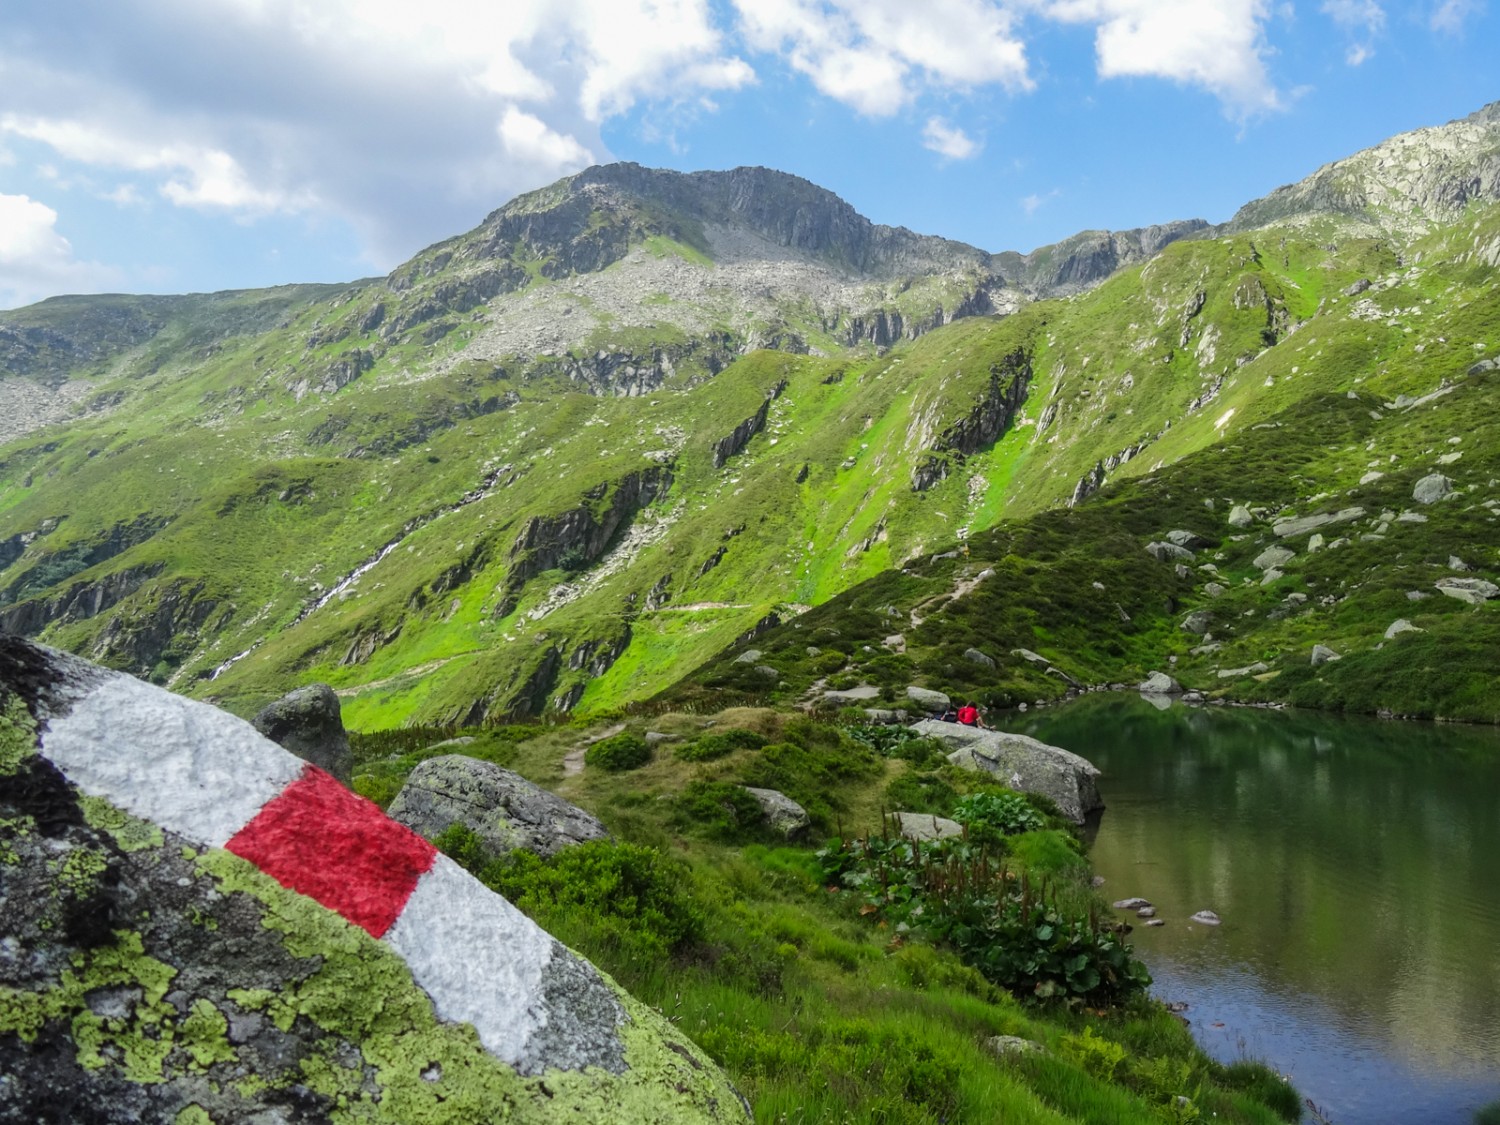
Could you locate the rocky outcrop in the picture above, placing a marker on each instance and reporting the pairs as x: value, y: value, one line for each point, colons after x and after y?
x: 983, y: 425
x: 1024, y: 764
x: 580, y: 536
x: 230, y: 911
x: 507, y: 812
x: 52, y: 569
x: 78, y: 602
x: 735, y: 441
x: 310, y: 723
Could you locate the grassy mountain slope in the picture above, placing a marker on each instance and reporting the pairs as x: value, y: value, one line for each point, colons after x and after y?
x: 388, y: 491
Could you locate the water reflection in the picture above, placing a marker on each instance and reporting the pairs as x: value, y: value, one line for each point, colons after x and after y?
x: 1354, y: 864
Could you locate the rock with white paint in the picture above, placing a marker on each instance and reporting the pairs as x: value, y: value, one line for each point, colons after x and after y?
x: 309, y: 722
x: 239, y: 912
x: 504, y: 810
x: 1023, y: 763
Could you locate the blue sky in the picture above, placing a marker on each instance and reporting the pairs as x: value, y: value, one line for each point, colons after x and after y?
x: 184, y: 145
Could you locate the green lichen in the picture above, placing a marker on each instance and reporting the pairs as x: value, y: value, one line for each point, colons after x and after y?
x: 427, y: 1072
x: 193, y: 1115
x: 17, y: 734
x: 204, y: 1034
x: 80, y: 871
x: 12, y: 827
x: 130, y: 833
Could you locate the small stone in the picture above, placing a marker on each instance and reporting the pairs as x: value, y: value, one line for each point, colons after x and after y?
x: 1206, y: 918
x: 1156, y: 922
x: 1159, y: 683
x: 1131, y: 904
x: 1399, y: 626
x: 749, y: 656
x: 1005, y: 1045
x: 1239, y: 516
x: 1322, y: 654
x: 1432, y: 488
x: 1273, y: 557
x: 1146, y: 912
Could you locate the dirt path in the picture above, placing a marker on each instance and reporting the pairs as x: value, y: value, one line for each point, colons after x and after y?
x: 573, y: 759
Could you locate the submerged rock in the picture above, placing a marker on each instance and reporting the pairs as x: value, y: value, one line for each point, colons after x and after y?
x: 1023, y: 763
x: 230, y: 911
x: 507, y: 812
x: 1131, y: 904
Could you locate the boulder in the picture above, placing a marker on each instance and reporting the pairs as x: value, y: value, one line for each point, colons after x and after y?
x: 1023, y: 763
x: 1287, y: 528
x: 1169, y: 552
x: 1198, y: 622
x: 928, y: 700
x: 1322, y: 654
x: 1432, y: 488
x: 1005, y: 1046
x: 1131, y: 904
x: 310, y: 723
x: 1215, y: 589
x: 507, y: 812
x: 1475, y: 591
x: 177, y: 960
x: 1240, y: 516
x: 749, y: 656
x: 1159, y: 683
x: 1273, y: 557
x: 1255, y: 669
x: 974, y: 656
x: 861, y: 694
x: 896, y: 642
x: 1399, y: 626
x: 1189, y: 539
x: 785, y: 816
x: 925, y: 826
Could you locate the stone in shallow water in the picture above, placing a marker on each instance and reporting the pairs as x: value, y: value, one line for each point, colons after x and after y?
x: 1132, y: 904
x: 1206, y: 918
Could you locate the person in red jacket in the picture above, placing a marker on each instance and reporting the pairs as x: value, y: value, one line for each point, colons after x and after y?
x: 968, y: 715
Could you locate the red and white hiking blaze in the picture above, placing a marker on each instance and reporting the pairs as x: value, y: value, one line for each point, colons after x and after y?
x: 214, y: 780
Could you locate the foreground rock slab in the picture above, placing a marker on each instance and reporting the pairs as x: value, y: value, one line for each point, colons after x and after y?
x: 507, y: 812
x: 229, y: 910
x: 1023, y: 763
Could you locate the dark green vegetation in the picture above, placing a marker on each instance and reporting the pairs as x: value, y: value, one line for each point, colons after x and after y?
x: 543, y: 466
x: 828, y: 1004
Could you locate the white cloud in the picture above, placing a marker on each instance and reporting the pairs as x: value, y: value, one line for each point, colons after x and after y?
x: 1451, y: 15
x: 35, y: 260
x: 408, y: 121
x: 878, y: 55
x: 949, y: 140
x: 1363, y: 20
x: 527, y: 138
x: 1034, y: 202
x: 1216, y: 44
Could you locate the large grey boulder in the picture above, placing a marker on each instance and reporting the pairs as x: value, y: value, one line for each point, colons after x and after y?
x: 1273, y: 557
x: 1301, y: 525
x: 1169, y: 552
x: 507, y: 812
x: 1023, y: 763
x: 1322, y: 654
x: 1159, y: 683
x: 1432, y: 488
x: 1474, y: 591
x: 310, y: 723
x: 927, y: 699
x: 1399, y: 626
x: 925, y: 826
x: 175, y: 961
x: 1198, y: 621
x: 1189, y: 539
x: 785, y: 816
x: 1240, y: 516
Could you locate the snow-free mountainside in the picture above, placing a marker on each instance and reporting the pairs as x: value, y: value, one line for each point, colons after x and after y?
x: 668, y: 493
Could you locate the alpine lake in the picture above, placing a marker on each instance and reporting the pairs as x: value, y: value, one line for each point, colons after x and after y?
x: 1355, y: 865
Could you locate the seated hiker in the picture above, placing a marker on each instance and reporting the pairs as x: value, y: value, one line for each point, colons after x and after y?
x: 948, y: 715
x: 968, y: 715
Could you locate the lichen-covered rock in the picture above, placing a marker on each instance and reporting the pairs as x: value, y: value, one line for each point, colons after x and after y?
x: 785, y: 816
x: 502, y: 808
x: 310, y: 723
x: 199, y: 926
x: 1023, y: 763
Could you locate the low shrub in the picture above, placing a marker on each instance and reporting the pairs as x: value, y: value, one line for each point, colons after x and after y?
x: 992, y: 816
x: 719, y: 744
x: 623, y: 751
x: 921, y: 792
x: 721, y: 810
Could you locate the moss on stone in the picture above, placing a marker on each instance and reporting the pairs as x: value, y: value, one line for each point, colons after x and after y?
x: 17, y: 734
x: 130, y: 834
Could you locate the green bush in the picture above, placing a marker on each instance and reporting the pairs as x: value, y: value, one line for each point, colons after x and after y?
x: 719, y: 744
x: 993, y: 816
x: 462, y: 844
x: 721, y: 809
x: 633, y: 897
x: 623, y: 751
x: 921, y: 792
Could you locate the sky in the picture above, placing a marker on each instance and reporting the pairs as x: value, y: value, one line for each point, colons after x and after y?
x: 172, y: 146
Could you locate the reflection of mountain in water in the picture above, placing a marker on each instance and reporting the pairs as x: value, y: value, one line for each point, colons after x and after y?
x: 1351, y: 859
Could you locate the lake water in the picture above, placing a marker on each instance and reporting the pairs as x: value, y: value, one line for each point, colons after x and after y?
x: 1356, y: 866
